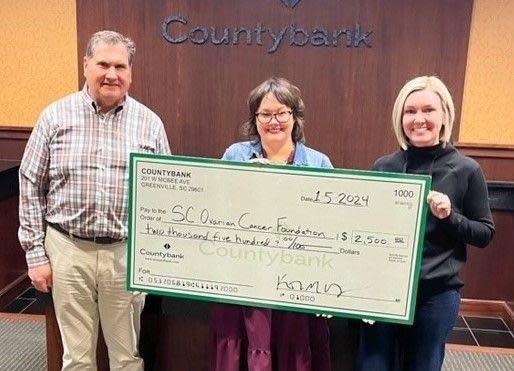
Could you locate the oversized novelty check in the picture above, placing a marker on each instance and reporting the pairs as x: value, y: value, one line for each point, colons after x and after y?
x: 341, y: 242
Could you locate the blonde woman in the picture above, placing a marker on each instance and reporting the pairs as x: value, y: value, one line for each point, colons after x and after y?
x: 459, y: 214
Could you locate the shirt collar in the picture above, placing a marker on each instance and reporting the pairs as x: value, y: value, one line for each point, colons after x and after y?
x: 255, y: 148
x: 300, y: 155
x: 91, y: 104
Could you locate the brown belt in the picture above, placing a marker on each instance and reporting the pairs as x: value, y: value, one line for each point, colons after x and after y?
x: 98, y: 240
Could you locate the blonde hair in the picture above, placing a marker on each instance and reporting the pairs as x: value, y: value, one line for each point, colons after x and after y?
x: 432, y: 83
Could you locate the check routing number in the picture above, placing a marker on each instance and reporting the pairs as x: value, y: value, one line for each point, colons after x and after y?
x: 341, y: 242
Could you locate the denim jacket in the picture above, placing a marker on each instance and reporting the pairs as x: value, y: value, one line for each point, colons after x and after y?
x: 303, y: 156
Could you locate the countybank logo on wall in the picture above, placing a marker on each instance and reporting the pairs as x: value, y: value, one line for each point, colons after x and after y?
x: 179, y: 29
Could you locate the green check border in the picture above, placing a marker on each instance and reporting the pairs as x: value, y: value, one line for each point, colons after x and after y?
x: 423, y: 180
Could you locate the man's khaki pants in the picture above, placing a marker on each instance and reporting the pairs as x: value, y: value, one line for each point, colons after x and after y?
x: 89, y: 285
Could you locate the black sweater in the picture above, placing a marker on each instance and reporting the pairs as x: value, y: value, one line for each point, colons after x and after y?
x: 470, y: 222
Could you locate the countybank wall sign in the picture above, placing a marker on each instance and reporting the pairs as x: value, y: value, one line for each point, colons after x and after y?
x: 177, y: 29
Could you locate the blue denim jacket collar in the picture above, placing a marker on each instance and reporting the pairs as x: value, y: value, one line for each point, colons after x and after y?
x: 300, y: 157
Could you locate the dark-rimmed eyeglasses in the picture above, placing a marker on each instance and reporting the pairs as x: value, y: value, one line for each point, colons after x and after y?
x: 266, y: 117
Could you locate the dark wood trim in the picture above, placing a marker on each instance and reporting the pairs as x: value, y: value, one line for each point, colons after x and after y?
x: 496, y: 160
x: 13, y: 268
x: 486, y: 150
x: 9, y: 186
x: 498, y: 308
x: 15, y: 132
x: 482, y: 307
x: 12, y: 143
x: 510, y: 305
x: 14, y: 289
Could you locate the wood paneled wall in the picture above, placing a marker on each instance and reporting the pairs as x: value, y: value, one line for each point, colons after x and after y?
x: 12, y: 144
x: 488, y: 273
x: 12, y: 258
x: 497, y: 161
x: 200, y: 91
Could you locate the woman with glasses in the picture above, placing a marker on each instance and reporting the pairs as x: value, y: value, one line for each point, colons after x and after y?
x: 296, y: 342
x: 459, y: 214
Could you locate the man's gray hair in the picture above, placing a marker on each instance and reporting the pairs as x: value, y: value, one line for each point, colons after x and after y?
x: 110, y: 38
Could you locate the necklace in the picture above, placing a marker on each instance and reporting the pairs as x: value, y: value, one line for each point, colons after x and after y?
x: 288, y: 160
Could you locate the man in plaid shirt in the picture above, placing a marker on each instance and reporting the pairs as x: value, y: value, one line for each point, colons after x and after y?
x: 74, y: 205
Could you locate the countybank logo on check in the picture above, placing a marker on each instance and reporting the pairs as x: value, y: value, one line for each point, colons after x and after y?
x: 291, y: 3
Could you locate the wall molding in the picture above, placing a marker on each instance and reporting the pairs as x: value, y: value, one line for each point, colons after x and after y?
x: 12, y: 144
x: 468, y: 149
x: 15, y: 132
x: 486, y: 150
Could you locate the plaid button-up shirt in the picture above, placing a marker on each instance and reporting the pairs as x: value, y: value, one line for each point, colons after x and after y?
x: 74, y: 170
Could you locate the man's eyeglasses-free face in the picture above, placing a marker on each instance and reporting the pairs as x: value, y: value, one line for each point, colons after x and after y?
x: 266, y: 117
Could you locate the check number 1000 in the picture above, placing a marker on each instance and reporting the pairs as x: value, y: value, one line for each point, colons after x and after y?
x: 403, y: 193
